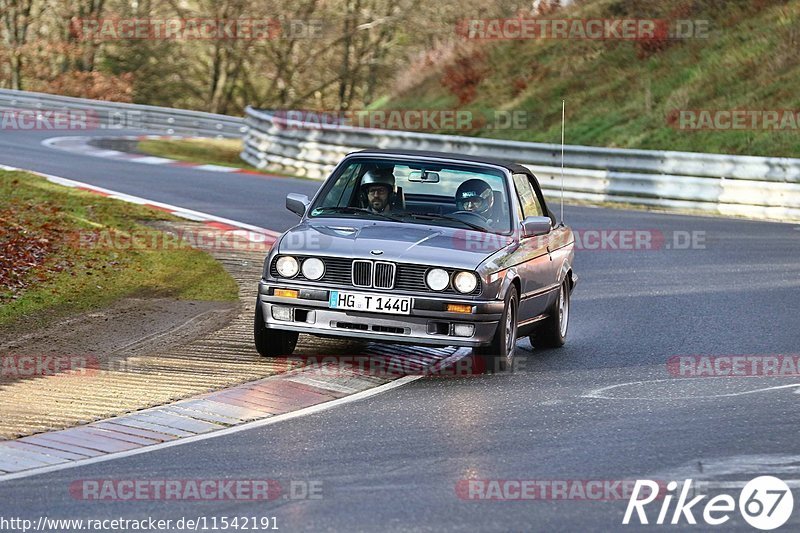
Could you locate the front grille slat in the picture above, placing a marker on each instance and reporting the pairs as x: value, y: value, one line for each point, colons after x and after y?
x: 362, y: 273
x: 384, y: 275
x: 404, y: 276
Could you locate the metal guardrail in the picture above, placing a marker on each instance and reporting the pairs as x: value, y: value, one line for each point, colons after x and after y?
x: 113, y: 115
x: 759, y: 187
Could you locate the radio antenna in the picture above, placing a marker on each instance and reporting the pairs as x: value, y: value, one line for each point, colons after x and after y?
x: 563, y: 120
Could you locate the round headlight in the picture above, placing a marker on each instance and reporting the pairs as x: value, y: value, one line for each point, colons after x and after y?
x: 437, y: 279
x: 287, y: 266
x: 465, y: 282
x: 313, y: 268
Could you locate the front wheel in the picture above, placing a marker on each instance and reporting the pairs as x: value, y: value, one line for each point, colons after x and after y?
x: 499, y: 355
x: 272, y: 342
x: 553, y: 331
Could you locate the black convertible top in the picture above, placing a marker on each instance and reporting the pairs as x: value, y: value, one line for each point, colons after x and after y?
x: 513, y: 167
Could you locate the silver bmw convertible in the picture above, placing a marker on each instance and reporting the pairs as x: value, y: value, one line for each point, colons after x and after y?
x: 425, y: 248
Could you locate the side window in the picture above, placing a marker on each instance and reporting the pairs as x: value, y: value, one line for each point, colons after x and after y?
x: 527, y: 197
x: 343, y: 186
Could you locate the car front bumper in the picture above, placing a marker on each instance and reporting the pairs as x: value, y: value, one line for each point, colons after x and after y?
x: 427, y: 324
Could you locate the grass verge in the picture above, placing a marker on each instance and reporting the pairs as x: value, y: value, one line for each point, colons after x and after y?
x: 629, y: 93
x: 47, y: 269
x: 223, y: 152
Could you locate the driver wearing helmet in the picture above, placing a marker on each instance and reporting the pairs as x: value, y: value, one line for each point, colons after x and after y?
x: 475, y: 196
x: 378, y: 190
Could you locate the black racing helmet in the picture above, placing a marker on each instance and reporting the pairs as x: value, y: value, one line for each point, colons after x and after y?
x: 379, y: 176
x: 476, y: 196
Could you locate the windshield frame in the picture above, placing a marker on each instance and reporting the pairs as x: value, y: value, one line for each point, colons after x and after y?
x: 343, y: 165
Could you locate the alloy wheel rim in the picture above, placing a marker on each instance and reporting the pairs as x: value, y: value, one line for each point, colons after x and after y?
x: 511, y: 324
x: 563, y: 310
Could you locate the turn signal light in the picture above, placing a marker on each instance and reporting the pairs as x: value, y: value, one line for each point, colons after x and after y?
x: 459, y: 308
x: 286, y: 293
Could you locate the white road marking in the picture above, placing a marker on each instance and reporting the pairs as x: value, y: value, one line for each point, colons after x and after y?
x: 215, y: 168
x: 179, y: 211
x: 105, y: 153
x: 221, y: 432
x: 733, y: 472
x: 599, y: 393
x: 151, y: 160
x: 80, y: 145
x: 53, y: 141
x: 792, y: 483
x: 314, y: 409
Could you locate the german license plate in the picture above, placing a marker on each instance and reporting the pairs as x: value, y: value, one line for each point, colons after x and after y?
x: 369, y: 302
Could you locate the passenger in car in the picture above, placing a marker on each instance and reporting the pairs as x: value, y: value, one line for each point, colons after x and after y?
x: 476, y: 196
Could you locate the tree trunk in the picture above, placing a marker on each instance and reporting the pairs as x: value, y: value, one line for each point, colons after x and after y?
x: 16, y: 71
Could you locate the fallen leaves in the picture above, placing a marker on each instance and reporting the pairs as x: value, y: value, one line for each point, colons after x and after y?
x: 30, y: 235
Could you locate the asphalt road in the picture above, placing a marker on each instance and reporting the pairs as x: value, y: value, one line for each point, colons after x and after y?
x: 393, y: 462
x: 253, y: 199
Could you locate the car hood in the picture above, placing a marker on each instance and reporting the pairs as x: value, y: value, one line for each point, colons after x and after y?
x: 404, y: 243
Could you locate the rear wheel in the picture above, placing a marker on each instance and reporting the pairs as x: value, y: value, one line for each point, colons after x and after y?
x: 499, y: 355
x: 553, y: 331
x: 272, y: 342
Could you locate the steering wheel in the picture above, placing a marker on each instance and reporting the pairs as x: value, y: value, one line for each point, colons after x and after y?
x: 470, y: 213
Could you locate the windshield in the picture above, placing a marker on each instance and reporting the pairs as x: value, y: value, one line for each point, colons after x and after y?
x: 423, y: 192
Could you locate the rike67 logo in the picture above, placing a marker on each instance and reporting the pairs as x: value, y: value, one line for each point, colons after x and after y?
x: 765, y: 503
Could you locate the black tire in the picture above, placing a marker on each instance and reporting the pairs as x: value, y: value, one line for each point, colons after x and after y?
x: 552, y: 333
x: 499, y: 355
x: 272, y: 342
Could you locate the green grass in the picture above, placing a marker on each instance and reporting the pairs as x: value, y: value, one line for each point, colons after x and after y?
x: 223, y: 152
x: 69, y: 277
x: 617, y: 97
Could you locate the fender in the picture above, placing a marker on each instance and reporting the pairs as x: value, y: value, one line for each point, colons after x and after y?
x: 510, y: 275
x: 566, y: 267
x: 562, y: 272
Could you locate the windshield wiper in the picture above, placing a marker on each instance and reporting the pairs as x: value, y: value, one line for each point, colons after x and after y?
x: 358, y: 210
x: 438, y: 216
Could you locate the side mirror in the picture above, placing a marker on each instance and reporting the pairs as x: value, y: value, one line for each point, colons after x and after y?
x: 297, y: 203
x: 533, y: 226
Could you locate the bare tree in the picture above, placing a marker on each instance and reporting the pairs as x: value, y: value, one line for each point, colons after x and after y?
x: 328, y: 54
x: 16, y: 20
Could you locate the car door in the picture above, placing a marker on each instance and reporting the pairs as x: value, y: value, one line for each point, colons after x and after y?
x: 539, y: 278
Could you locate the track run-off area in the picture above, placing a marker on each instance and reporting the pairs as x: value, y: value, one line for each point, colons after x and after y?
x: 638, y: 392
